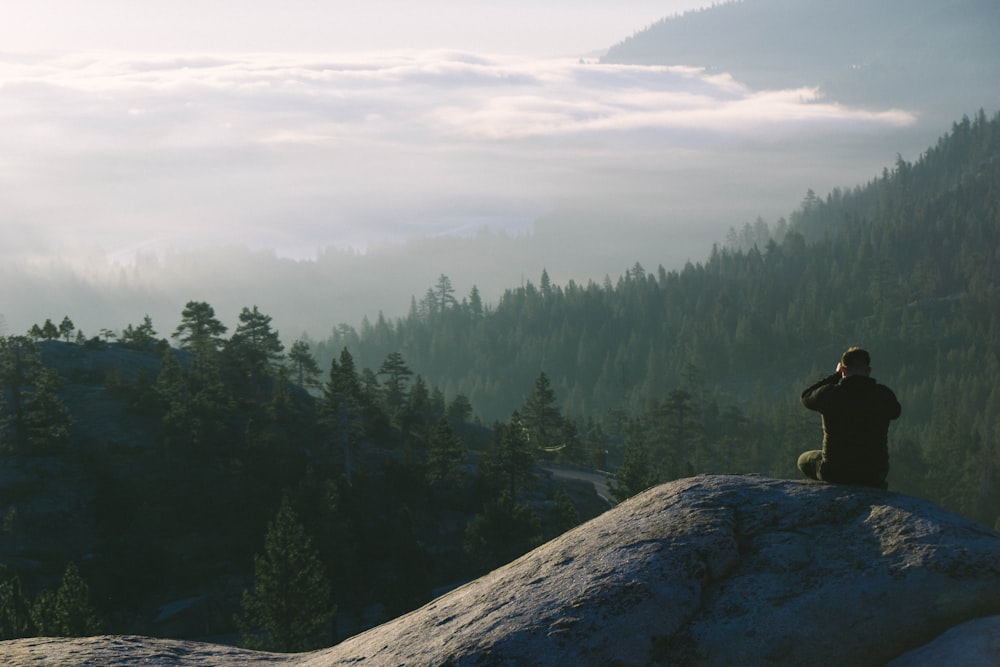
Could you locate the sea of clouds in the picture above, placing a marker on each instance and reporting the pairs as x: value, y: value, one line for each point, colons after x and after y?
x: 297, y: 152
x: 111, y: 162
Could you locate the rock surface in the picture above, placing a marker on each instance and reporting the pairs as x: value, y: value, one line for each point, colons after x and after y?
x: 971, y: 644
x: 712, y: 570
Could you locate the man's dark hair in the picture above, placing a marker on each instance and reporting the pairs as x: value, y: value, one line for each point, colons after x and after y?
x: 856, y: 357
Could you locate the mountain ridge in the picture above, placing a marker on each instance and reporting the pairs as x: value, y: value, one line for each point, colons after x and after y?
x: 934, y: 56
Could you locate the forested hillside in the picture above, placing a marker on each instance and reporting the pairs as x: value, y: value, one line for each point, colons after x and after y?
x: 907, y: 265
x: 226, y: 488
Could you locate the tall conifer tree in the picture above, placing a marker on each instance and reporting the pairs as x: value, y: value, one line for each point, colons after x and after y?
x: 290, y: 606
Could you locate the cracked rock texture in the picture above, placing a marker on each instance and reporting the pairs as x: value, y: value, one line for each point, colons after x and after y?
x: 711, y: 570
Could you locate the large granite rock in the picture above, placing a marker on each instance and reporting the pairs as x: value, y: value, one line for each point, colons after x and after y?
x: 712, y: 570
x: 972, y: 644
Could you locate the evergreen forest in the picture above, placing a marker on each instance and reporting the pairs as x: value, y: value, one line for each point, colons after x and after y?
x: 702, y: 367
x: 207, y: 483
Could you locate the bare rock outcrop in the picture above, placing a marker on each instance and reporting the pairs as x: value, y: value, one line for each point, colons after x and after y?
x: 972, y: 644
x: 711, y: 570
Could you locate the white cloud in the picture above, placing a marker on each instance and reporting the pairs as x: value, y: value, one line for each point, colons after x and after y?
x: 298, y: 152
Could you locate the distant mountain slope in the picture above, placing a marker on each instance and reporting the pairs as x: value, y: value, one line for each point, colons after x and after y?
x: 939, y: 57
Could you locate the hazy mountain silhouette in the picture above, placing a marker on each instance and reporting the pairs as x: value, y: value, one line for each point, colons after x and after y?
x: 939, y: 58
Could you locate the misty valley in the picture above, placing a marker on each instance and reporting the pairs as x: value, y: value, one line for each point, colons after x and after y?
x: 293, y: 343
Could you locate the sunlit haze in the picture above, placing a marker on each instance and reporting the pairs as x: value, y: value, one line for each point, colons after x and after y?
x: 548, y: 28
x: 141, y: 129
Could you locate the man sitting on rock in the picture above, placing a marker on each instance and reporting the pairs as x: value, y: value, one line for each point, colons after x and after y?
x: 856, y: 413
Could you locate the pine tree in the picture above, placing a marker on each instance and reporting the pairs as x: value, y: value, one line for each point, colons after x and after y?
x: 33, y: 418
x: 199, y: 330
x: 395, y: 386
x: 565, y: 516
x: 677, y: 431
x: 404, y: 581
x: 303, y: 363
x: 502, y: 532
x: 173, y: 396
x: 475, y: 303
x: 635, y: 473
x: 343, y: 408
x: 67, y: 612
x: 15, y: 613
x: 542, y: 418
x: 290, y: 606
x: 140, y: 337
x: 66, y: 328
x: 444, y: 294
x: 459, y: 410
x: 254, y: 344
x: 445, y: 458
x: 49, y: 330
x: 46, y: 418
x: 511, y: 459
x: 18, y: 361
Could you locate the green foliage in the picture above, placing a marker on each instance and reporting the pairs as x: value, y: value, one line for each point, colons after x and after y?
x: 290, y: 605
x: 510, y: 463
x: 140, y: 337
x: 445, y: 460
x: 49, y: 330
x: 543, y: 420
x: 18, y: 360
x: 397, y: 378
x: 303, y: 363
x: 636, y: 472
x: 503, y: 531
x: 199, y: 330
x: 379, y: 485
x: 255, y: 346
x: 905, y: 265
x: 674, y: 434
x: 15, y: 613
x: 197, y: 406
x: 45, y: 420
x: 344, y: 408
x: 66, y: 328
x: 33, y: 419
x: 565, y: 514
x: 66, y: 612
x: 404, y: 573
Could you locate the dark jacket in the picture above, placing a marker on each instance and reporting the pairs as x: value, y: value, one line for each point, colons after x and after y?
x: 856, y: 414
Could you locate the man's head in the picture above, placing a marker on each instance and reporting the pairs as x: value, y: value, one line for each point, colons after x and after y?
x: 856, y: 361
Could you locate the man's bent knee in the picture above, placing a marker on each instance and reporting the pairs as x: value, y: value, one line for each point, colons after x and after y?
x: 809, y: 463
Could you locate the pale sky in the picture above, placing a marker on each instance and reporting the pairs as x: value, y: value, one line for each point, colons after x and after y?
x: 146, y: 127
x: 545, y: 27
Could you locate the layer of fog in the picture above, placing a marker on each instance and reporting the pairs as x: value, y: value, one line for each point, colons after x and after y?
x: 325, y: 188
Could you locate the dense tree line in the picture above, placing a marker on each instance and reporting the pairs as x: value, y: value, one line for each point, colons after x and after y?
x: 296, y: 510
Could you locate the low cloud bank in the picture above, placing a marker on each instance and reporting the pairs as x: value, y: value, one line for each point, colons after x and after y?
x: 111, y: 157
